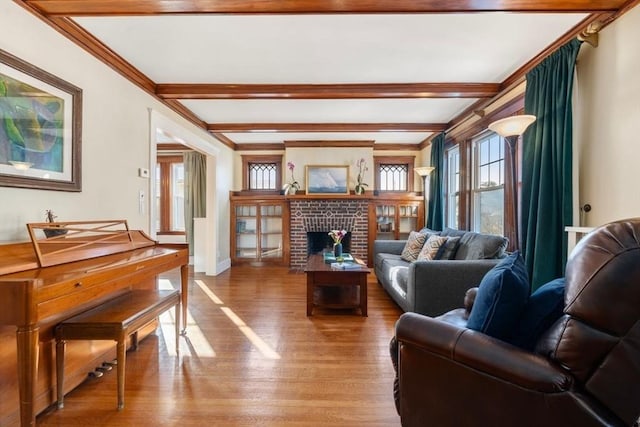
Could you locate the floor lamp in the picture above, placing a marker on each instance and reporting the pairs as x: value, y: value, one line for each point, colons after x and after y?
x: 424, y: 173
x: 510, y: 128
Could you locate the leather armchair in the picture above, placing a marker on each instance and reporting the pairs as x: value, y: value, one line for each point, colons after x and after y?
x: 584, y: 371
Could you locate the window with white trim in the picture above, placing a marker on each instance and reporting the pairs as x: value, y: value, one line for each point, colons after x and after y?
x: 487, y: 211
x: 453, y: 188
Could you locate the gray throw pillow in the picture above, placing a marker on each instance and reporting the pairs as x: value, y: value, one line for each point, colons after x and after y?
x: 453, y: 232
x: 481, y: 246
x: 449, y: 249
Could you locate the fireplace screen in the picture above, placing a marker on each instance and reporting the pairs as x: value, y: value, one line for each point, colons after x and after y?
x: 320, y: 241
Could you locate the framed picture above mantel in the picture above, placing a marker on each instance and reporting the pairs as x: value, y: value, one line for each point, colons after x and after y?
x: 327, y: 179
x: 40, y: 128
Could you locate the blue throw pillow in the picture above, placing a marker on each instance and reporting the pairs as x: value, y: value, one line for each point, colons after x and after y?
x: 545, y: 306
x: 502, y: 296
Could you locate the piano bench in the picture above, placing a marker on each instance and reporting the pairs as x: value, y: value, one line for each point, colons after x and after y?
x: 115, y: 320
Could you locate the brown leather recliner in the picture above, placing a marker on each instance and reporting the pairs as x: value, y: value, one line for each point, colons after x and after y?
x: 584, y: 371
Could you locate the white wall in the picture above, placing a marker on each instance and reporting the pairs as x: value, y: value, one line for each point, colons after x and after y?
x: 607, y: 122
x: 115, y: 135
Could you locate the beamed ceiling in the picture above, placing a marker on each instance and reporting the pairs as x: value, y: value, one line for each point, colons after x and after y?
x: 388, y: 73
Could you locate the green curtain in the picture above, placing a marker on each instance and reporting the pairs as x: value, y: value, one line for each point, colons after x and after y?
x: 195, y: 188
x: 435, y: 218
x: 547, y: 165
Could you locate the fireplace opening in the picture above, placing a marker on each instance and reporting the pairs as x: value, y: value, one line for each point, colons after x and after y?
x: 320, y: 241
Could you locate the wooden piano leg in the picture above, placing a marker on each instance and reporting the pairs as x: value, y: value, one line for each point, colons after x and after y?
x: 121, y: 349
x: 27, y: 340
x: 184, y: 291
x: 178, y: 330
x: 60, y: 350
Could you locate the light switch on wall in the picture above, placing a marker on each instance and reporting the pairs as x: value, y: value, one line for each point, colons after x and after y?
x: 143, y: 173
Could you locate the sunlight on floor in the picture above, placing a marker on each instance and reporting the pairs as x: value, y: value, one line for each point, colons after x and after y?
x: 196, y: 340
x: 197, y: 343
x: 258, y: 343
x: 208, y: 292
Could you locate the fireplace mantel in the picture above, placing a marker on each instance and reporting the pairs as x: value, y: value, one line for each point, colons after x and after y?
x: 303, y: 196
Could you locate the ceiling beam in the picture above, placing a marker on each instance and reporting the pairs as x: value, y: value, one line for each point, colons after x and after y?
x: 226, y: 141
x: 327, y: 91
x: 389, y: 146
x: 148, y: 7
x: 260, y: 146
x: 325, y: 127
x: 330, y: 143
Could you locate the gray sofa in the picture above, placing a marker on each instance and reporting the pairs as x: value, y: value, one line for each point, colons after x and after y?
x: 436, y: 286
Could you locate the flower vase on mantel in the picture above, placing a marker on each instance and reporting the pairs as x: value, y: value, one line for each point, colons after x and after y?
x: 292, y: 190
x: 337, y: 250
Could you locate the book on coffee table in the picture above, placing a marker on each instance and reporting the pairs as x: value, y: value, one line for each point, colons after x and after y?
x: 346, y: 266
x: 330, y: 258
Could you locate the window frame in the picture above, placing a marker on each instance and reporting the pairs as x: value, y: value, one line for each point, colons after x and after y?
x: 450, y: 220
x: 247, y: 160
x: 409, y: 161
x: 475, y: 188
x: 165, y: 163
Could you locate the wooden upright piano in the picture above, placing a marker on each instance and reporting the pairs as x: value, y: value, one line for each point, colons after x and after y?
x: 47, y: 280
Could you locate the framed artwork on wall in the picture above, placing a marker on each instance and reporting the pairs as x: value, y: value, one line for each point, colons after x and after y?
x: 327, y: 179
x: 40, y: 128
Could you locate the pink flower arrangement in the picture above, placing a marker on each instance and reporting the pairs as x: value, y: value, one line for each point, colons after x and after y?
x: 293, y: 183
x: 362, y: 168
x: 337, y: 235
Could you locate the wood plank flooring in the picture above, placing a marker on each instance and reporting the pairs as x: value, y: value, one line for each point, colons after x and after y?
x: 251, y: 358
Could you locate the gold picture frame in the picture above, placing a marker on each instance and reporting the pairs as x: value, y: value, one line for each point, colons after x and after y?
x: 327, y: 179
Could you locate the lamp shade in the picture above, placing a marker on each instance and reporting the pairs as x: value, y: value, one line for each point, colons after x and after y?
x: 514, y: 125
x: 424, y: 170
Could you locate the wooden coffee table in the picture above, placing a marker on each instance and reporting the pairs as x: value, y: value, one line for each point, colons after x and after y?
x: 321, y: 275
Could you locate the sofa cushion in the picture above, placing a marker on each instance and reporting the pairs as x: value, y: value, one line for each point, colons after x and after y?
x: 394, y: 259
x: 379, y: 259
x: 481, y: 246
x: 501, y: 298
x: 449, y: 249
x: 431, y: 248
x: 544, y: 307
x: 389, y: 262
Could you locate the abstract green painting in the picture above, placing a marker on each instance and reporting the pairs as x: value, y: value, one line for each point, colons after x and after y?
x: 40, y: 128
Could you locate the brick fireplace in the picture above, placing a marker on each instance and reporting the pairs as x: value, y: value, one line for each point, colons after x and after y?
x: 322, y: 215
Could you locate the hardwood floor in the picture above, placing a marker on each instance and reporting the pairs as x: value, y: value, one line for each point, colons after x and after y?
x: 251, y: 357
